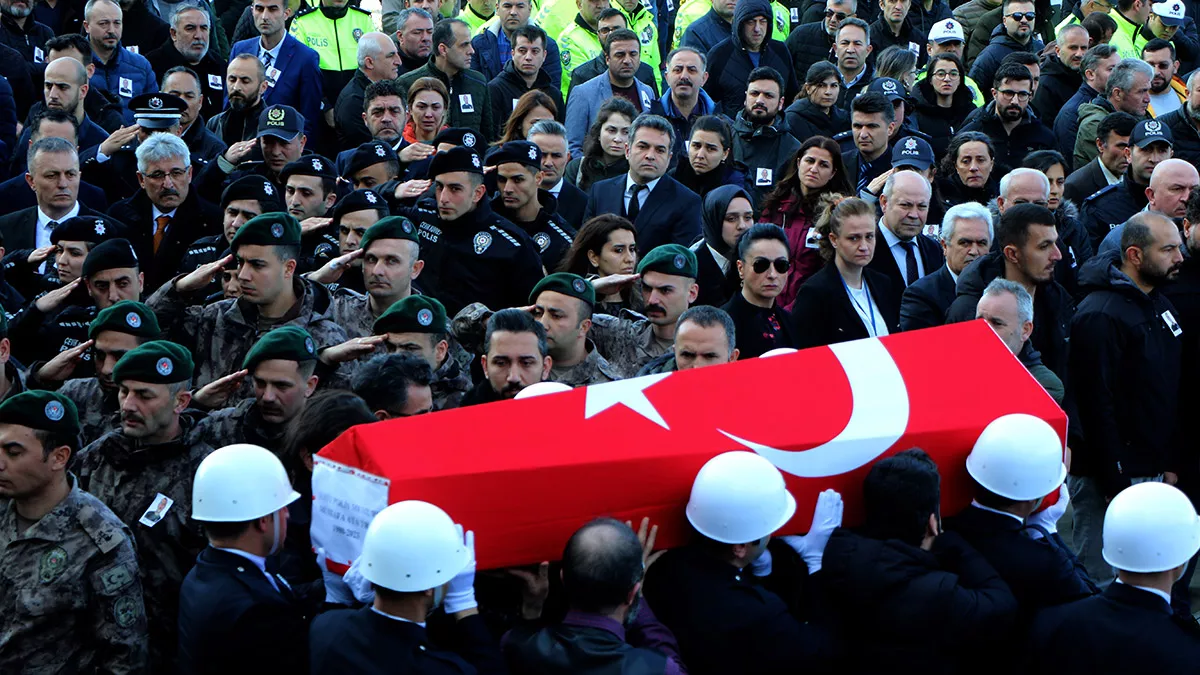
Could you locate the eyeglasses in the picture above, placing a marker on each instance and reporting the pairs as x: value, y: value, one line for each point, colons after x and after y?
x: 760, y: 265
x: 1026, y: 16
x: 175, y: 174
x: 945, y: 74
x: 1019, y: 95
x: 840, y: 16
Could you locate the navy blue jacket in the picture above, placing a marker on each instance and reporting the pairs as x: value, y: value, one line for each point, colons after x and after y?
x: 90, y: 135
x: 924, y: 304
x: 983, y: 71
x: 299, y: 84
x: 671, y: 214
x: 729, y: 64
x: 1066, y: 123
x: 124, y: 65
x: 706, y: 32
x: 487, y: 56
x: 664, y: 107
x: 8, y: 122
x: 363, y: 641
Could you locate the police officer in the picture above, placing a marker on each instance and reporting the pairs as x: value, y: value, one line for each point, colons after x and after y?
x: 243, y: 199
x: 418, y: 325
x: 12, y: 377
x: 711, y: 594
x: 390, y: 263
x: 372, y: 163
x: 281, y: 365
x: 413, y: 555
x: 629, y: 342
x: 116, y: 330
x: 521, y: 200
x: 279, y: 139
x: 234, y: 615
x: 68, y: 572
x: 310, y: 189
x: 563, y: 304
x: 1150, y: 143
x: 272, y: 294
x: 333, y: 29
x: 471, y: 253
x: 142, y: 472
x: 1017, y: 461
x: 1151, y: 531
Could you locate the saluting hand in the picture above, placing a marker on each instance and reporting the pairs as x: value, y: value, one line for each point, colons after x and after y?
x: 310, y: 225
x: 117, y: 139
x: 332, y: 270
x: 238, y: 151
x: 59, y: 368
x: 416, y: 152
x: 50, y: 301
x: 216, y: 394
x: 40, y: 255
x: 411, y: 189
x: 351, y: 349
x: 613, y: 283
x: 202, y: 276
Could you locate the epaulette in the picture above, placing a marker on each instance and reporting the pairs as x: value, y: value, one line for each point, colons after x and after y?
x: 359, y: 9
x: 1103, y: 190
x: 307, y: 10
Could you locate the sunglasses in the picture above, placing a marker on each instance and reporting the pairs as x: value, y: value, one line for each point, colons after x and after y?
x: 830, y: 14
x: 1027, y: 16
x: 760, y: 265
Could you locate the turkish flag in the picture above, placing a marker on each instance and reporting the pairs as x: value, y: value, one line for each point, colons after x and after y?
x: 526, y: 474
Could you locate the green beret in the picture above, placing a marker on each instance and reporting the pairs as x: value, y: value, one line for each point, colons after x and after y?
x: 567, y: 284
x: 41, y: 410
x: 670, y: 259
x: 157, y: 362
x: 287, y: 343
x: 392, y: 227
x: 269, y: 229
x: 414, y: 314
x: 126, y: 316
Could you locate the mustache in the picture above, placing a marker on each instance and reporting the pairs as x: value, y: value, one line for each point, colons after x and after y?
x: 132, y: 417
x: 656, y: 309
x: 170, y: 192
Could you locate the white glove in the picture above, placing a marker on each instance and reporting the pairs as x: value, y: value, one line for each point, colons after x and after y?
x: 336, y: 589
x: 460, y: 593
x: 1048, y: 518
x: 827, y: 517
x: 761, y: 567
x: 358, y: 584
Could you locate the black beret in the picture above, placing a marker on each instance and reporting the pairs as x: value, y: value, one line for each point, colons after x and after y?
x: 92, y: 229
x: 414, y: 314
x: 288, y: 343
x: 392, y: 227
x: 269, y: 229
x: 126, y: 316
x: 458, y: 136
x: 521, y: 152
x: 670, y: 259
x: 41, y: 410
x: 157, y: 362
x: 567, y: 284
x: 253, y: 187
x: 359, y: 200
x: 369, y: 154
x: 308, y: 165
x: 455, y: 159
x: 109, y: 255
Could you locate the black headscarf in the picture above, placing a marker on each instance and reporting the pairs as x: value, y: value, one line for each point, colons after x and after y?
x: 716, y: 203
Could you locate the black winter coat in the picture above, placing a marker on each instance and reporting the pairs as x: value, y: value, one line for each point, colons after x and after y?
x: 941, y: 123
x: 362, y: 641
x: 983, y: 70
x: 729, y: 64
x: 1183, y: 131
x: 1111, y: 206
x: 808, y: 43
x: 1029, y: 135
x: 805, y: 120
x: 1057, y: 85
x: 1124, y: 371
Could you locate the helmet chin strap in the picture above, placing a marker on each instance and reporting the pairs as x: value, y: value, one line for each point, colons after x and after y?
x: 275, y: 543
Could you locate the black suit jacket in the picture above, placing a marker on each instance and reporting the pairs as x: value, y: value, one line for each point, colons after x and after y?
x: 929, y: 250
x: 15, y: 194
x: 1084, y: 182
x: 924, y: 304
x: 19, y: 229
x: 671, y: 214
x: 232, y: 620
x: 823, y: 314
x: 572, y: 204
x: 194, y: 218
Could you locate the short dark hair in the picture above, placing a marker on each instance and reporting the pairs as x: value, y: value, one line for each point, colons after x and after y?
x: 76, y: 41
x: 707, y: 316
x: 443, y: 32
x: 383, y: 381
x: 899, y: 495
x: 601, y: 564
x: 1097, y: 24
x: 1157, y: 45
x: 1016, y: 221
x: 1011, y: 71
x: 766, y: 73
x: 610, y: 13
x: 1044, y: 160
x: 530, y: 32
x: 872, y: 103
x: 1021, y: 59
x: 857, y: 23
x: 226, y: 531
x: 760, y: 232
x: 1006, y: 3
x: 619, y: 35
x: 1121, y: 123
x: 1193, y: 209
x: 53, y: 115
x: 383, y: 88
x: 55, y: 439
x: 326, y: 415
x: 182, y: 69
x: 1137, y: 232
x: 513, y: 320
x: 287, y: 252
x: 714, y: 124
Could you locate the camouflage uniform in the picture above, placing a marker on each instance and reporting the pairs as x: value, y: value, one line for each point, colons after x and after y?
x: 592, y: 370
x: 241, y: 424
x: 627, y: 341
x: 352, y: 311
x: 221, y: 334
x: 70, y: 591
x: 98, y: 413
x: 451, y: 381
x: 128, y: 478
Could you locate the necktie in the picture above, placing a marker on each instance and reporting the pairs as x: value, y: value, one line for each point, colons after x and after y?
x: 631, y: 213
x: 160, y: 229
x: 266, y: 59
x: 49, y: 262
x: 910, y: 262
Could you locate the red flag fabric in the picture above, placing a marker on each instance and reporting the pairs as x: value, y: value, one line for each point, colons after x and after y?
x: 526, y: 474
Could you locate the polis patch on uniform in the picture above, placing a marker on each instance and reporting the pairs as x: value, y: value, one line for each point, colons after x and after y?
x: 482, y: 241
x: 53, y: 563
x: 357, y: 33
x: 542, y: 240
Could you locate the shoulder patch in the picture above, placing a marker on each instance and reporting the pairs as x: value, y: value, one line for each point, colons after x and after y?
x: 105, y: 532
x: 1101, y: 191
x: 307, y: 10
x: 359, y: 9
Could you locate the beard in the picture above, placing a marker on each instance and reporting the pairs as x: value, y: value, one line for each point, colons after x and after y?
x: 1159, y: 84
x: 1011, y: 113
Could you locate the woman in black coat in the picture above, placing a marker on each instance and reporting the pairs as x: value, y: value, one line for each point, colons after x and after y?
x: 728, y: 212
x: 943, y: 101
x: 845, y: 300
x: 814, y: 113
x: 710, y: 162
x: 967, y: 172
x: 763, y: 262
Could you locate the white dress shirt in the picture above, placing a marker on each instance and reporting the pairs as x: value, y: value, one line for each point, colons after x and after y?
x: 1003, y: 513
x: 395, y: 618
x: 643, y: 195
x: 259, y: 562
x: 1109, y: 176
x: 557, y: 188
x: 898, y: 252
x: 155, y: 213
x: 41, y: 235
x: 1165, y: 596
x: 273, y: 52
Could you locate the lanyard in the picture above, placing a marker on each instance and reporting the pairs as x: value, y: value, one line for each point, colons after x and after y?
x: 870, y: 311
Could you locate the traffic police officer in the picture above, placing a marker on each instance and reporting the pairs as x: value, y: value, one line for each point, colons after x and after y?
x: 333, y: 29
x: 521, y: 200
x: 68, y: 572
x: 418, y: 325
x: 1150, y: 143
x: 471, y: 253
x: 563, y: 304
x: 234, y: 615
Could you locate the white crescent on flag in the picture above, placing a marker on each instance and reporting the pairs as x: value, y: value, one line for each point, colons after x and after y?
x: 878, y: 417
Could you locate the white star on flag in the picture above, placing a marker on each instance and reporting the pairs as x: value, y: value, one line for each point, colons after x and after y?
x: 629, y: 393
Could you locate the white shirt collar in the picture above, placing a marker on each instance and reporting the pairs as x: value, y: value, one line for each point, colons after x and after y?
x: 273, y: 52
x: 259, y: 561
x: 395, y: 618
x: 155, y: 212
x: 649, y: 186
x: 721, y: 261
x: 953, y: 276
x: 1165, y: 596
x: 557, y: 187
x: 888, y: 236
x: 1108, y: 175
x: 44, y: 219
x: 989, y: 509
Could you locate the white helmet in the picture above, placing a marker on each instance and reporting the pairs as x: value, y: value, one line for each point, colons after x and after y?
x: 541, y: 388
x: 412, y: 546
x: 1150, y: 527
x: 1018, y: 457
x: 739, y: 497
x: 778, y: 351
x: 240, y: 482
